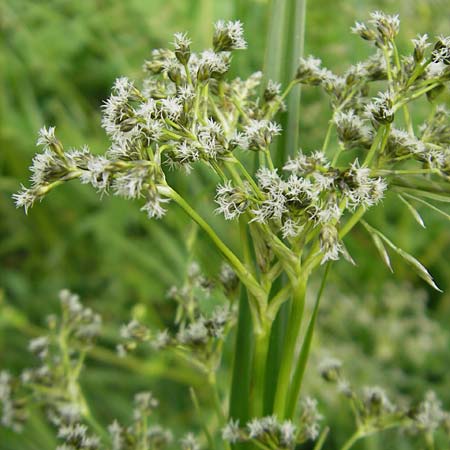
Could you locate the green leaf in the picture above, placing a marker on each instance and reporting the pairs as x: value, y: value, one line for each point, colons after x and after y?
x: 284, y: 47
x: 415, y: 264
x: 381, y: 248
x: 445, y: 198
x: 431, y: 206
x: 413, y: 211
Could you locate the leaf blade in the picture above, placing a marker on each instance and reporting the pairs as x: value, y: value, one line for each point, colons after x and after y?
x: 415, y: 263
x: 413, y: 211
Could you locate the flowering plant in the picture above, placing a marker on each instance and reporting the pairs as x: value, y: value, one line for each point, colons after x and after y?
x: 292, y: 220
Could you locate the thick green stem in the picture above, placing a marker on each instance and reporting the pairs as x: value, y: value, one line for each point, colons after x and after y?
x: 297, y: 37
x: 239, y: 406
x: 262, y: 341
x: 290, y: 344
x: 297, y: 379
x: 277, y: 334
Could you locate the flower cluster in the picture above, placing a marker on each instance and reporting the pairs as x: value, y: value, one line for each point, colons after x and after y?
x: 268, y: 431
x: 141, y: 431
x: 198, y: 332
x: 374, y: 411
x: 12, y: 407
x: 315, y: 194
x: 151, y: 127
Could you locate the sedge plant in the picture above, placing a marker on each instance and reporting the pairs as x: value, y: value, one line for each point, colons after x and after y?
x: 293, y: 215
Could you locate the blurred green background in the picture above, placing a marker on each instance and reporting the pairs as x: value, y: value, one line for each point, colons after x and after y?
x: 58, y: 60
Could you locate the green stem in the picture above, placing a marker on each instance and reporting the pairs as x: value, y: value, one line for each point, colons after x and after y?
x: 351, y: 441
x: 277, y: 333
x: 262, y: 341
x: 290, y: 344
x: 321, y: 440
x: 327, y: 136
x: 294, y: 392
x: 239, y: 407
x: 374, y: 146
x: 196, y: 404
x: 241, y: 271
x: 295, y: 51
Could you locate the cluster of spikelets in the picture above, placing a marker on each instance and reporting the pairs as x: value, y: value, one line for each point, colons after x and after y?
x: 54, y: 386
x: 196, y: 333
x: 374, y: 412
x: 187, y: 111
x: 269, y: 432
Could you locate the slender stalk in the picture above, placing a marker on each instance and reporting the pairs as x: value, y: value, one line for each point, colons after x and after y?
x: 297, y: 379
x: 352, y: 440
x: 196, y: 404
x: 241, y: 271
x: 374, y: 146
x: 321, y: 440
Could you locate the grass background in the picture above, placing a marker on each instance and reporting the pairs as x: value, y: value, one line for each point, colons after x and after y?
x: 58, y: 60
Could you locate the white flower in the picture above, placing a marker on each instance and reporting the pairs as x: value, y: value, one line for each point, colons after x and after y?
x: 213, y: 63
x: 171, y: 107
x: 161, y: 340
x: 381, y: 109
x: 288, y: 433
x: 97, y: 173
x: 46, y: 137
x: 291, y: 228
x: 387, y: 25
x: 258, y: 134
x: 232, y: 201
x: 329, y: 213
x: 309, y: 69
x: 186, y: 92
x: 25, y: 198
x: 351, y: 129
x: 129, y: 184
x: 154, y: 206
x: 359, y: 28
x: 228, y: 36
x: 231, y: 432
x: 310, y: 418
x: 329, y: 243
x: 181, y: 41
x: 115, y: 431
x: 189, y: 442
x: 255, y: 428
x: 122, y: 87
x: 421, y: 41
x: 430, y: 414
x: 375, y: 395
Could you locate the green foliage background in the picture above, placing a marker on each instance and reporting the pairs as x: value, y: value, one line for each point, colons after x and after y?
x: 58, y: 60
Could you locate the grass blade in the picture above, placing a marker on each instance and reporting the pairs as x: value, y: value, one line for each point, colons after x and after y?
x: 416, y: 265
x: 284, y: 47
x: 297, y: 11
x: 431, y: 206
x: 381, y: 249
x: 413, y: 211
